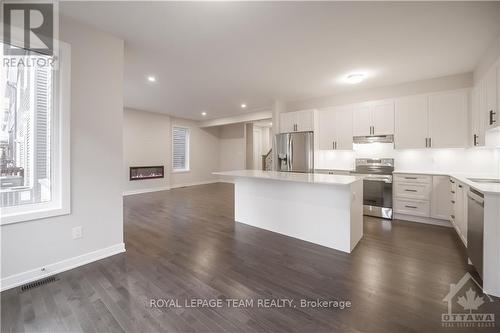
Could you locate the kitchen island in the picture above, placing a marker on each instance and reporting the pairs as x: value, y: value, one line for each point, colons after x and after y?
x: 318, y: 208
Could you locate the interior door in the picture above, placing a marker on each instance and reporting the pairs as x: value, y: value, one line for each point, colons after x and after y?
x: 448, y: 119
x: 362, y: 120
x: 411, y: 121
x: 327, y: 125
x: 383, y: 118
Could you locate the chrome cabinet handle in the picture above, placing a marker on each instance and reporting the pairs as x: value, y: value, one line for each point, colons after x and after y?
x: 452, y: 201
x: 475, y: 139
x: 410, y: 177
x: 407, y: 206
x: 426, y: 142
x: 452, y: 192
x: 408, y: 190
x: 430, y: 142
x: 460, y: 186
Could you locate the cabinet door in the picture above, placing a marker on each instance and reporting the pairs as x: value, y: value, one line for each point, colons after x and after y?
x: 441, y: 197
x: 305, y: 120
x: 448, y: 119
x: 326, y: 129
x: 287, y: 122
x: 411, y: 119
x: 477, y: 120
x: 362, y: 120
x: 383, y: 118
x: 343, y: 120
x: 461, y: 212
x: 491, y: 103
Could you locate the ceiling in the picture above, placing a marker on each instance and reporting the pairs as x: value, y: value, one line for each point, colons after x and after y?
x: 214, y: 56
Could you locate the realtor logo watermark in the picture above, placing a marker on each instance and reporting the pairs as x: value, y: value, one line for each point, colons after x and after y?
x: 464, y: 302
x: 28, y: 26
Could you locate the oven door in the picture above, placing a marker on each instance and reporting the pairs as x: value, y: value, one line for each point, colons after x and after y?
x: 377, y: 196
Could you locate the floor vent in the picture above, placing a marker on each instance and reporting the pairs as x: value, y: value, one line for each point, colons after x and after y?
x: 36, y: 284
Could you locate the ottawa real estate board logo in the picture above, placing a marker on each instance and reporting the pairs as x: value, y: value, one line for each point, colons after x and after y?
x: 464, y: 302
x: 28, y: 27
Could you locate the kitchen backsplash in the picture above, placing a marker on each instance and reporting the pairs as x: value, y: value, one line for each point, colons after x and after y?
x: 479, y: 161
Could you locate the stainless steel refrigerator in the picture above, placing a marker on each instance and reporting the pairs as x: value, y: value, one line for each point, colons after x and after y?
x: 294, y: 152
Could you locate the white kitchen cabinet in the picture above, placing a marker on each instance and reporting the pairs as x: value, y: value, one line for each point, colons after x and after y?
x: 374, y: 118
x: 383, y: 118
x: 298, y: 121
x: 477, y: 119
x: 287, y: 122
x: 362, y: 115
x: 411, y: 122
x: 448, y: 119
x: 335, y: 128
x: 490, y: 98
x: 437, y: 120
x: 460, y: 210
x: 441, y: 198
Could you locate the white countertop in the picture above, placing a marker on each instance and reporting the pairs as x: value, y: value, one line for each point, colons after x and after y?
x: 486, y: 188
x: 311, y: 178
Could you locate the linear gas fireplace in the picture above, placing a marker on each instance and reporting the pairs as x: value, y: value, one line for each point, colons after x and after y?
x: 146, y: 172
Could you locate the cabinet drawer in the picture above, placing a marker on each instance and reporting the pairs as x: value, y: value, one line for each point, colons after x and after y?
x: 412, y: 207
x: 412, y: 190
x: 411, y: 178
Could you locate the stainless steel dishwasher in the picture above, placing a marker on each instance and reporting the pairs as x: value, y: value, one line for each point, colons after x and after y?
x: 475, y: 228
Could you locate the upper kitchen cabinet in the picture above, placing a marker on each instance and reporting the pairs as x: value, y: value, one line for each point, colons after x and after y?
x: 335, y: 128
x: 490, y: 95
x: 438, y: 120
x: 411, y: 122
x: 374, y: 118
x: 477, y: 119
x: 448, y: 119
x: 298, y: 121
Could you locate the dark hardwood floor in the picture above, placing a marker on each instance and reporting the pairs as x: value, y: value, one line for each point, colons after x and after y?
x: 183, y: 244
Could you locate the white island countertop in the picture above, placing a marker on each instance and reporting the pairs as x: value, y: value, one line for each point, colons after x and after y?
x: 310, y: 178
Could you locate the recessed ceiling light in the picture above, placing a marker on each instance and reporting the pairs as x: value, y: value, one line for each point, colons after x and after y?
x: 355, y: 78
x: 243, y: 105
x: 151, y: 78
x: 203, y: 113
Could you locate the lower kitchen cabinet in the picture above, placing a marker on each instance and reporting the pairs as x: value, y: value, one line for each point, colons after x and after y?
x: 459, y: 208
x: 440, y: 197
x: 422, y: 198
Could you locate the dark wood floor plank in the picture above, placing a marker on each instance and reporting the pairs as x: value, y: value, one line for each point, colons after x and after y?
x: 184, y: 244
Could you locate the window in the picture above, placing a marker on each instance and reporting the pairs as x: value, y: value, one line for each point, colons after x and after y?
x: 180, y: 149
x: 34, y: 138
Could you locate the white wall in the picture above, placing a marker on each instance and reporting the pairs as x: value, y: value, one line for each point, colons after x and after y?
x: 204, y: 154
x: 232, y: 147
x: 146, y: 141
x: 478, y: 161
x: 96, y: 158
x: 404, y: 89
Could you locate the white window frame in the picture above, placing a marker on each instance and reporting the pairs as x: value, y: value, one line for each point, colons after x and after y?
x: 188, y: 149
x: 60, y: 153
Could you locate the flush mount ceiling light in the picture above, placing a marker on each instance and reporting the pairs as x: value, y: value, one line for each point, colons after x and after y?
x: 243, y: 106
x: 151, y: 78
x: 203, y: 113
x: 355, y: 78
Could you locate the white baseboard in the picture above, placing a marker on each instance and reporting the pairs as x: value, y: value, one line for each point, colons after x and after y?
x: 58, y: 267
x: 422, y: 219
x: 195, y: 183
x: 146, y: 190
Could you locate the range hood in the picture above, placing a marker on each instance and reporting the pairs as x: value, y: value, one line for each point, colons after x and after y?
x: 374, y: 138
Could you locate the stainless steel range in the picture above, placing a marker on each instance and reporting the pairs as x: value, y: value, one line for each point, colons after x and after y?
x: 377, y: 185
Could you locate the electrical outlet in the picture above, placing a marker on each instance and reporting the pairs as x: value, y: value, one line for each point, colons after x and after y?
x: 77, y: 232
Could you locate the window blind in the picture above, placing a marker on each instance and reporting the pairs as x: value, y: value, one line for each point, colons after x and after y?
x: 180, y: 137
